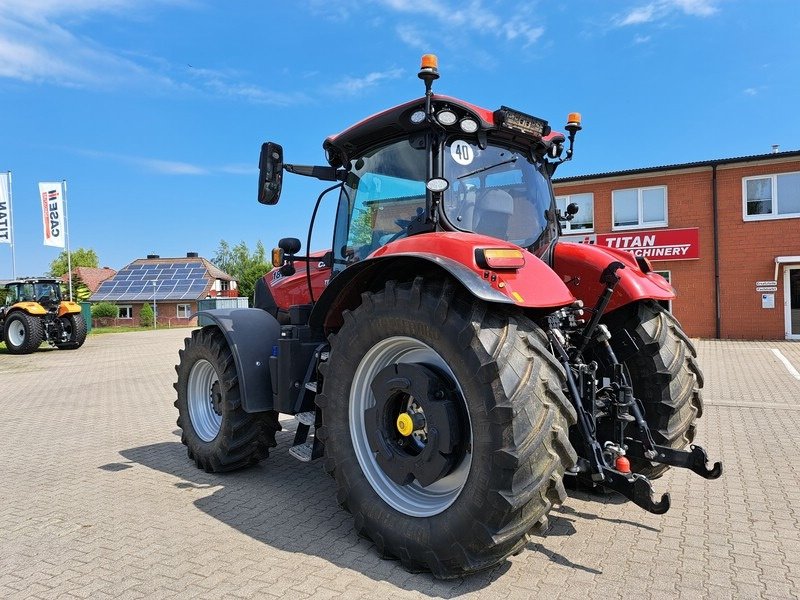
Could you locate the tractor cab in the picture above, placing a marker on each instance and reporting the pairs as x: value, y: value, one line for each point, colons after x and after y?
x: 45, y: 292
x: 436, y: 164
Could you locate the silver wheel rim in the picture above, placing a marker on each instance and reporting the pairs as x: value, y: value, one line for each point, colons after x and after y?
x: 413, y: 499
x: 16, y: 332
x: 205, y: 420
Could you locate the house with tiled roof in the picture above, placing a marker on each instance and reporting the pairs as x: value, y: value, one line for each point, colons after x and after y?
x: 92, y: 277
x: 173, y: 285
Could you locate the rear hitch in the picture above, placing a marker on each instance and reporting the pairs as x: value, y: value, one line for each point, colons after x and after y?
x: 637, y: 489
x: 695, y: 460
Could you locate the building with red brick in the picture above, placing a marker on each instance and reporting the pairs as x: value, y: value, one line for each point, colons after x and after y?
x: 173, y: 285
x: 726, y: 233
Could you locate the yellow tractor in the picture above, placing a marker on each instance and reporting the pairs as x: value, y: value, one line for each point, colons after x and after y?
x: 34, y: 312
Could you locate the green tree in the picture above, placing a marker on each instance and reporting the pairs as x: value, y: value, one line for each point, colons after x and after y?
x: 105, y: 309
x: 244, y: 266
x: 146, y: 315
x: 82, y: 257
x: 80, y: 291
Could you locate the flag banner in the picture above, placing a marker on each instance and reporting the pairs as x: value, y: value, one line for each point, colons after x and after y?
x: 5, y: 209
x: 52, y: 198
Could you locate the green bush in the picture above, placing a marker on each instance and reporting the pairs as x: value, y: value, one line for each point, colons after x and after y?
x: 146, y: 315
x: 105, y: 309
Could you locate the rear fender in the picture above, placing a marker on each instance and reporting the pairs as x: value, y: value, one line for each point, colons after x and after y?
x: 32, y: 308
x: 580, y: 266
x: 533, y: 286
x: 251, y: 333
x: 68, y: 308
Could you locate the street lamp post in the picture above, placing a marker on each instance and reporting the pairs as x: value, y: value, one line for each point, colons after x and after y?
x: 155, y: 318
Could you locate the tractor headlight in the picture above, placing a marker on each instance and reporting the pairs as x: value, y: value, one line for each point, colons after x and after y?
x: 446, y: 117
x: 417, y: 117
x: 468, y: 125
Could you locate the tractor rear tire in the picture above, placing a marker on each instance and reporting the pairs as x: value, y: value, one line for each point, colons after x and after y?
x: 664, y: 375
x: 510, y: 409
x: 218, y: 433
x: 23, y: 333
x: 76, y: 327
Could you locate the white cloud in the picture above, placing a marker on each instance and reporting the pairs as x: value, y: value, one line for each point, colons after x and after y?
x: 412, y: 37
x: 751, y: 92
x: 354, y: 85
x: 643, y: 14
x: 698, y: 8
x: 446, y: 18
x: 36, y: 46
x: 661, y: 9
x: 641, y: 39
x: 167, y: 167
x: 227, y: 83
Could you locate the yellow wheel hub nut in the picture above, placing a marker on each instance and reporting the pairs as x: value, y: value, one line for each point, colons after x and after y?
x: 405, y: 425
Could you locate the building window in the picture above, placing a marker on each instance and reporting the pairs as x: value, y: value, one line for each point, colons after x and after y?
x: 583, y: 222
x: 771, y: 196
x: 125, y: 311
x: 639, y: 207
x: 184, y: 311
x: 667, y: 304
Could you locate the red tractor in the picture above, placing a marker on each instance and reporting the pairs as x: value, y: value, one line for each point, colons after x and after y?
x: 450, y: 359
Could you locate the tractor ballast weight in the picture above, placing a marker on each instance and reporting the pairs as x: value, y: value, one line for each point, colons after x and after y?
x: 453, y: 361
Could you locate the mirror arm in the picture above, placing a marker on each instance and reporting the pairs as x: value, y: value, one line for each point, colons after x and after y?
x: 321, y: 173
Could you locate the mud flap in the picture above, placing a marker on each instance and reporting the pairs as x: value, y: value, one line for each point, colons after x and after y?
x: 251, y: 333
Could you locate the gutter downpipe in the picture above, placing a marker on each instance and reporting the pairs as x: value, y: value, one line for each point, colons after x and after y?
x: 718, y: 323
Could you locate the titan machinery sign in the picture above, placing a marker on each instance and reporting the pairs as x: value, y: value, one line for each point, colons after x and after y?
x: 660, y: 244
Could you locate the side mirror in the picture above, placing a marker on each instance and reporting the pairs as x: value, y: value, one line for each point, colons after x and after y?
x: 270, y: 173
x: 289, y: 245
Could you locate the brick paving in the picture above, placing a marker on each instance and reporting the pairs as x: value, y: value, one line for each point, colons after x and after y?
x: 98, y: 499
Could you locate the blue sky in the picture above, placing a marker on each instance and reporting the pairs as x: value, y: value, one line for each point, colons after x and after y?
x: 154, y: 110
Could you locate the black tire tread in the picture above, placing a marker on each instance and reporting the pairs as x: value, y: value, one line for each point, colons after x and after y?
x: 244, y: 438
x: 527, y: 468
x: 665, y: 377
x: 34, y: 332
x: 78, y: 333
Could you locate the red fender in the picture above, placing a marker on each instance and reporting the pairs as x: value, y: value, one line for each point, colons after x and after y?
x: 580, y: 266
x: 534, y: 285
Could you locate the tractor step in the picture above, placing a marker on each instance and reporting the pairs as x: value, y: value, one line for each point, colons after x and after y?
x: 306, y: 418
x: 303, y: 452
x: 312, y: 386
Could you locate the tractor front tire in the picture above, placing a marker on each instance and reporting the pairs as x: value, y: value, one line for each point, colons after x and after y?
x: 23, y: 333
x: 218, y: 433
x: 664, y: 375
x: 481, y: 379
x: 75, y: 326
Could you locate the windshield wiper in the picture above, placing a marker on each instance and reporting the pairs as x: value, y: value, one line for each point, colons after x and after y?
x: 482, y: 169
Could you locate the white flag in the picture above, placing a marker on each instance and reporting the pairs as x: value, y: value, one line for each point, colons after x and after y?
x: 52, y: 199
x: 5, y: 209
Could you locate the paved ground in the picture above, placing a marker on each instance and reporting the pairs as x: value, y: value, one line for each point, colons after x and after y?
x: 98, y: 499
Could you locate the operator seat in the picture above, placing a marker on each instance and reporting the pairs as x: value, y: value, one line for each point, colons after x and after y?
x: 493, y: 212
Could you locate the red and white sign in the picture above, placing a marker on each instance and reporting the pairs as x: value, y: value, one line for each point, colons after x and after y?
x: 659, y: 244
x: 52, y: 200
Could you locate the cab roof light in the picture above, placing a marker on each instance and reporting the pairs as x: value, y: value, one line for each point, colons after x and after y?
x: 500, y: 258
x: 519, y: 121
x: 429, y: 67
x: 573, y: 122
